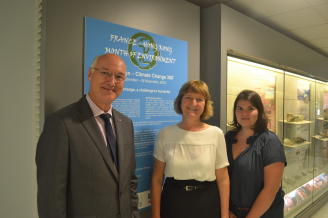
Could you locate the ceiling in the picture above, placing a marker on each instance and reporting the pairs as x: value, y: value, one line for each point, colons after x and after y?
x: 305, y: 21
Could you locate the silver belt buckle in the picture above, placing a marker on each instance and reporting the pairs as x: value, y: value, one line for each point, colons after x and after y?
x: 190, y: 188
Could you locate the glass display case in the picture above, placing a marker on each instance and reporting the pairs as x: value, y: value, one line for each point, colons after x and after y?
x: 297, y: 107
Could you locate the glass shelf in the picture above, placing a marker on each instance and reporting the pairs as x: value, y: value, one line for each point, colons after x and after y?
x: 297, y: 145
x: 295, y: 123
x: 319, y: 138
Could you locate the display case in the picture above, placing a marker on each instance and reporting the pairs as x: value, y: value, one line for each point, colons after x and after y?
x: 297, y: 107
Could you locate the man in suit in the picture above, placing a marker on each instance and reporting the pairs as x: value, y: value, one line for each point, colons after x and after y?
x: 76, y: 170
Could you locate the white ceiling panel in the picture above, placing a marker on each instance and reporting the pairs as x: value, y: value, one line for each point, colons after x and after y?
x: 305, y: 34
x: 305, y: 21
x: 264, y: 8
x: 319, y: 43
x: 294, y: 20
x: 323, y: 9
x: 317, y: 2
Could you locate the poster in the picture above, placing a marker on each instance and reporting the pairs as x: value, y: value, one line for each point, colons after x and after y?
x: 156, y: 70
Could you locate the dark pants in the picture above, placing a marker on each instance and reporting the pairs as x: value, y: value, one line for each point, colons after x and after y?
x: 200, y: 203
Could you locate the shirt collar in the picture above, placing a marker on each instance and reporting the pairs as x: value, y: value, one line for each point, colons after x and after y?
x: 95, y: 109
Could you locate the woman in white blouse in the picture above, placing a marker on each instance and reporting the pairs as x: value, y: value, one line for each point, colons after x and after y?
x: 192, y: 155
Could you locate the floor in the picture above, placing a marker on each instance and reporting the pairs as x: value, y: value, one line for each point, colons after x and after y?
x: 322, y: 212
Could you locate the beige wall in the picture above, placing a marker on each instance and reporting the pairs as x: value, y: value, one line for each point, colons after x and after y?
x: 17, y: 120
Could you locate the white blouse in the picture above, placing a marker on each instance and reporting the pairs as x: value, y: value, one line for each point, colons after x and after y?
x: 191, y: 155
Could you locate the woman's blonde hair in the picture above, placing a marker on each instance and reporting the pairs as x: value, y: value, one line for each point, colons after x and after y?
x: 199, y: 87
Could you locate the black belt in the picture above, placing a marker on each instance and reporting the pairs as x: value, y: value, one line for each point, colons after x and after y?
x: 191, y: 188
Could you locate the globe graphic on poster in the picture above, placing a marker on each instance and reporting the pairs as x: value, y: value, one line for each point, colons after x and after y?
x: 144, y: 51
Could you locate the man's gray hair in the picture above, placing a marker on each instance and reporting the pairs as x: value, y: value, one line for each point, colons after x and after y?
x: 94, y: 63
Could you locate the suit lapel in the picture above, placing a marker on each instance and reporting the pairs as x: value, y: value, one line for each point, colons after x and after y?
x: 119, y: 130
x: 90, y: 124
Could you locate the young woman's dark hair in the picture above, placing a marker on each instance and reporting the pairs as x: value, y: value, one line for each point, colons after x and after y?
x: 252, y: 96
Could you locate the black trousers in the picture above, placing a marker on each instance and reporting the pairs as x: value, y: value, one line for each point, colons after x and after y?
x: 200, y: 203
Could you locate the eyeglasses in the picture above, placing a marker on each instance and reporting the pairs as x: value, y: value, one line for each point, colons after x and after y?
x: 106, y: 74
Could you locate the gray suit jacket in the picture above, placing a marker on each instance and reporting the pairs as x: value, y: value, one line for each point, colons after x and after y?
x: 75, y: 173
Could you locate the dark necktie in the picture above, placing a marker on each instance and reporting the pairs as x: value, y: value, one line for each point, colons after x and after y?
x: 111, y: 141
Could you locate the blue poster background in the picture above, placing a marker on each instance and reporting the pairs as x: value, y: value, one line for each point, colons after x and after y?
x: 156, y: 70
